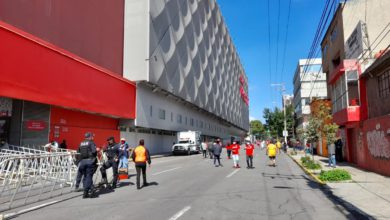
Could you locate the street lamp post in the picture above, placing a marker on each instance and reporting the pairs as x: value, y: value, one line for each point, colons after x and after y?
x: 283, y: 89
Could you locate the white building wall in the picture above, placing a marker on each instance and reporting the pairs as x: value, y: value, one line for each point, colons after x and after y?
x: 184, y: 48
x: 136, y: 40
x: 376, y: 15
x: 307, y: 85
x: 193, y: 57
x: 150, y: 103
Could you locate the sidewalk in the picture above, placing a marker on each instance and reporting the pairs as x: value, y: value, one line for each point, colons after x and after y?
x: 368, y: 192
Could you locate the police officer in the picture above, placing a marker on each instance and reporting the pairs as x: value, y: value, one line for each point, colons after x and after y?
x: 87, y: 156
x: 140, y: 157
x: 112, y: 153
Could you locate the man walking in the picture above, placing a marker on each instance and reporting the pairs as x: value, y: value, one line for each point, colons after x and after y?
x: 112, y: 153
x: 87, y: 154
x: 272, y: 150
x: 249, y: 148
x: 204, y: 149
x: 236, y: 154
x: 140, y: 157
x: 217, y: 149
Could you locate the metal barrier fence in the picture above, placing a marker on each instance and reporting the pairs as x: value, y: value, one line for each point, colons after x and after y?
x: 29, y: 175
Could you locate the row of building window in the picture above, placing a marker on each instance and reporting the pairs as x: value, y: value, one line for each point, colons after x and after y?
x: 384, y: 84
x: 184, y: 120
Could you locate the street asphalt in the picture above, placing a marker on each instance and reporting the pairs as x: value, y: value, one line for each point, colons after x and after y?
x: 190, y: 187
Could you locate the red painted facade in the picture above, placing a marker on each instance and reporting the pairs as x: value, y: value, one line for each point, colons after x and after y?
x: 32, y: 69
x: 72, y: 125
x: 371, y: 145
x: 347, y: 115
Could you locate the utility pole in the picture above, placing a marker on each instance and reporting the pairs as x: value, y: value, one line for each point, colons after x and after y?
x: 283, y: 89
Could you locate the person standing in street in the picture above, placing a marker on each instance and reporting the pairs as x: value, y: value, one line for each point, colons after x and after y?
x: 217, y: 149
x: 236, y: 154
x: 204, y: 149
x: 249, y: 148
x: 272, y: 150
x: 228, y: 150
x: 140, y: 157
x: 112, y: 153
x: 278, y: 145
x: 123, y: 154
x: 87, y: 157
x: 210, y: 147
x: 332, y: 155
x: 63, y: 145
x: 263, y: 144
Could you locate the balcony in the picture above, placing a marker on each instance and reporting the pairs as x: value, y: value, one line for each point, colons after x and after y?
x: 345, y: 65
x: 348, y: 115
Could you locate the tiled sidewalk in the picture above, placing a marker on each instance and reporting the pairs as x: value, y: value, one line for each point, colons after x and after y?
x: 368, y: 192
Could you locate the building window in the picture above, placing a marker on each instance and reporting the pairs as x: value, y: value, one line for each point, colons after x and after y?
x: 192, y: 122
x: 384, y: 84
x: 172, y: 116
x: 201, y: 124
x: 179, y: 119
x: 186, y: 121
x: 161, y: 114
x: 151, y: 111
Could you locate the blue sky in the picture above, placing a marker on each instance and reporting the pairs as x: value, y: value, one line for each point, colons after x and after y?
x: 247, y: 21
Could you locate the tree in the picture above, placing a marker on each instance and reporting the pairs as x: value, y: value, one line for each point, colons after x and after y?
x: 320, y: 123
x: 275, y: 120
x: 257, y: 128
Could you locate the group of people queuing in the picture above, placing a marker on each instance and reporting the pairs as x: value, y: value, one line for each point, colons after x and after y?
x: 214, y: 149
x: 115, y: 156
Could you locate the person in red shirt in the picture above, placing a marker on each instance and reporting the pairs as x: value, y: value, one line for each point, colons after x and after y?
x: 236, y: 154
x: 229, y: 150
x: 249, y: 148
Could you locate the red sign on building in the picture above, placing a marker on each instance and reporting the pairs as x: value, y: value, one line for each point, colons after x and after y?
x: 35, y: 125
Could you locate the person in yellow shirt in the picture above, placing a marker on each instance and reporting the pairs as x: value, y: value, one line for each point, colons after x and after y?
x: 272, y: 150
x: 278, y: 145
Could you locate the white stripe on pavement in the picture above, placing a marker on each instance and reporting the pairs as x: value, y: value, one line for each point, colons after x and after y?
x: 232, y: 173
x: 180, y: 213
x: 154, y: 174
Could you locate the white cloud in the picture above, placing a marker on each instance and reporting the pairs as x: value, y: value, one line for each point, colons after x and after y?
x: 251, y: 118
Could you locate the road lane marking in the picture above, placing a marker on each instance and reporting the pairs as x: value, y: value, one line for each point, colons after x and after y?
x: 154, y: 174
x: 180, y: 213
x: 232, y: 173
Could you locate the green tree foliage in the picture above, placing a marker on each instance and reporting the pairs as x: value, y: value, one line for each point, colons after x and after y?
x: 257, y: 128
x: 275, y: 120
x: 312, y: 131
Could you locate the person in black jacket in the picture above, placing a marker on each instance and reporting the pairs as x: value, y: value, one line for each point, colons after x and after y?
x: 87, y: 157
x: 217, y: 149
x: 112, y: 153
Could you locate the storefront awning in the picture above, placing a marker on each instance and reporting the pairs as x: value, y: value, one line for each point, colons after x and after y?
x: 35, y: 70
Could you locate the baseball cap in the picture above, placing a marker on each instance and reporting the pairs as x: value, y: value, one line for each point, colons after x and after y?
x: 123, y: 139
x: 88, y: 135
x: 110, y: 138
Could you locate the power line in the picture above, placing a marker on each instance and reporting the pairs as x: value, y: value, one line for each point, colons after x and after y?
x: 285, y: 41
x: 269, y: 42
x: 314, y: 49
x: 277, y: 40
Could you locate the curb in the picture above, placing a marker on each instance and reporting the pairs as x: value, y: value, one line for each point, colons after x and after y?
x: 161, y: 155
x: 308, y: 171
